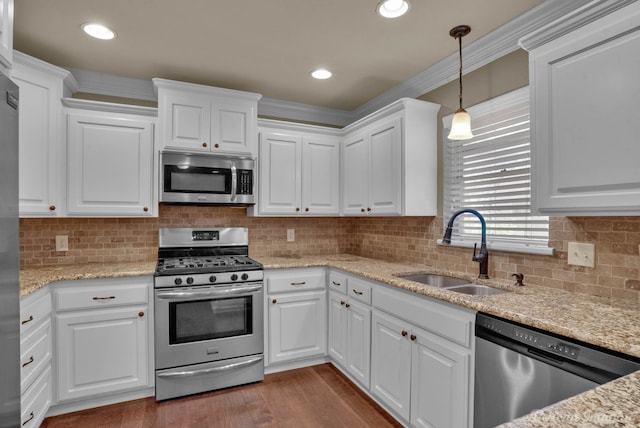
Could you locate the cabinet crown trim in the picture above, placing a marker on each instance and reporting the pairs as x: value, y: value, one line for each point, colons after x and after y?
x: 202, y: 89
x: 68, y: 80
x: 109, y: 107
x: 575, y: 19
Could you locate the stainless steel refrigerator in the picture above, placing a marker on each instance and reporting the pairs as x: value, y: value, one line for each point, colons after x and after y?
x: 9, y: 257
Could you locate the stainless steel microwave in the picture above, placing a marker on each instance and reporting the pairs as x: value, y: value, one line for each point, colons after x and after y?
x: 200, y: 178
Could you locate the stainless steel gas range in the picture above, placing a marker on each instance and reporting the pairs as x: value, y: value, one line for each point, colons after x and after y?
x: 208, y: 311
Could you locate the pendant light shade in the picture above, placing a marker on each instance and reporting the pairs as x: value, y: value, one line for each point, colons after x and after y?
x: 460, y: 126
x: 461, y: 122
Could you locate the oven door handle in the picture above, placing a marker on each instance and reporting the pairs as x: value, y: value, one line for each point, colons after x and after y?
x: 224, y: 368
x: 212, y: 292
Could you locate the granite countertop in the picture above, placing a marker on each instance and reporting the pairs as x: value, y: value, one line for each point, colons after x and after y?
x: 609, y: 323
x: 33, y: 279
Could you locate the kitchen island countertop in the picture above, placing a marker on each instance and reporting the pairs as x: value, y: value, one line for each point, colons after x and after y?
x: 609, y: 323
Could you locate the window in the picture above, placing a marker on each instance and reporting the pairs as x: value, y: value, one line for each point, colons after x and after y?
x: 491, y: 173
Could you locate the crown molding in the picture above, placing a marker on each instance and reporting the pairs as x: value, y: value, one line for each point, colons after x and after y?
x: 68, y: 79
x: 571, y: 21
x: 94, y: 82
x: 498, y: 43
x: 109, y: 107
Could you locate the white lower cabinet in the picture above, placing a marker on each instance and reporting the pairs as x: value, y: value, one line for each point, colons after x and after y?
x: 297, y: 314
x: 350, y: 325
x: 103, y: 337
x: 35, y: 358
x: 422, y: 359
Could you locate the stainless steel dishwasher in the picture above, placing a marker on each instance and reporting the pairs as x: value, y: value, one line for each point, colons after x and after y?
x: 520, y: 369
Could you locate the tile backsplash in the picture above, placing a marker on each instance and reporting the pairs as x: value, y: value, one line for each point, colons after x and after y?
x: 617, y: 242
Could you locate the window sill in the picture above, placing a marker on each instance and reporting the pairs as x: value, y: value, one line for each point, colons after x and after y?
x: 500, y: 246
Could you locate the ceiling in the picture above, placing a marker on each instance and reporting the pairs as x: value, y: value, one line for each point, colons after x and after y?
x: 263, y: 46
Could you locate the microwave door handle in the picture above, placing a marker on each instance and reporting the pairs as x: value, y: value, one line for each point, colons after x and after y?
x: 234, y: 181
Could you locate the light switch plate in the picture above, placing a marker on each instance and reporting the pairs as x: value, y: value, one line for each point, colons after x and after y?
x: 291, y: 235
x: 581, y: 254
x: 62, y: 243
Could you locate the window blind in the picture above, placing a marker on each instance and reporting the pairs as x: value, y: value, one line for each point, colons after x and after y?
x: 491, y: 173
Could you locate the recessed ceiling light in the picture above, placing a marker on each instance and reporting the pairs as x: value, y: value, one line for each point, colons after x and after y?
x: 98, y: 31
x: 392, y: 8
x: 321, y: 74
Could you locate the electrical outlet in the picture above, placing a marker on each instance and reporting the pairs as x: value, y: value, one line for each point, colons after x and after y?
x: 291, y: 235
x: 581, y: 254
x: 62, y: 243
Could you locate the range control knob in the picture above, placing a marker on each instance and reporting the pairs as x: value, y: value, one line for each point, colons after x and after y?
x: 245, y: 276
x: 189, y: 280
x: 177, y: 281
x: 234, y: 277
x: 212, y: 278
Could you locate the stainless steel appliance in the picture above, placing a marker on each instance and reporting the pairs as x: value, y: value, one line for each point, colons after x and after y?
x: 208, y: 312
x: 9, y: 257
x: 520, y: 369
x: 200, y: 178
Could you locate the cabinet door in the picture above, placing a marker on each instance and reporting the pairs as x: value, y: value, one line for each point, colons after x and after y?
x: 338, y: 328
x: 186, y: 122
x: 385, y: 184
x: 585, y: 123
x: 233, y: 126
x: 391, y: 363
x: 297, y: 326
x: 280, y: 175
x: 359, y: 341
x: 355, y: 175
x: 110, y: 166
x: 101, y: 351
x: 321, y: 176
x: 41, y: 144
x: 440, y: 373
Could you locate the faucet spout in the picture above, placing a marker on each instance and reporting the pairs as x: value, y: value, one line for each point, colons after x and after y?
x: 482, y: 257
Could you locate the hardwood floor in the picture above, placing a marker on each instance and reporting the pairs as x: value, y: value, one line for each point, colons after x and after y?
x: 317, y: 396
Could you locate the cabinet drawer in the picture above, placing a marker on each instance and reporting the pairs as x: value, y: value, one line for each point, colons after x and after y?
x: 32, y: 312
x: 445, y: 320
x: 35, y: 353
x: 338, y: 282
x: 36, y: 401
x: 295, y: 280
x: 88, y: 297
x: 359, y: 290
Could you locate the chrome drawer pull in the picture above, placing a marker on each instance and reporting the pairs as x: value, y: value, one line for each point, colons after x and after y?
x: 224, y: 368
x: 298, y: 283
x: 28, y: 362
x: 104, y: 298
x: 27, y: 320
x: 359, y: 293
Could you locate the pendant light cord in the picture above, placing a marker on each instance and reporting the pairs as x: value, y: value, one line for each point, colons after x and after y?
x: 460, y: 69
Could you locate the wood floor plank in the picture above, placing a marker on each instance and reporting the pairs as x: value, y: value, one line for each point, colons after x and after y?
x: 312, y: 397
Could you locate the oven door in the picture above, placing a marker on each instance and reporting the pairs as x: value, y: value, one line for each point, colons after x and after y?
x: 208, y: 323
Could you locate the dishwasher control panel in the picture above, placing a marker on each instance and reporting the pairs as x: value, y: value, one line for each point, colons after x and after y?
x: 530, y: 338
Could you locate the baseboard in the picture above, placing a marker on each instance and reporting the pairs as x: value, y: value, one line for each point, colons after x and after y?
x: 275, y: 368
x: 75, y: 406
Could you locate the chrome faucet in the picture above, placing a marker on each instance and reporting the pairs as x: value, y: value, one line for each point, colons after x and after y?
x: 481, y: 257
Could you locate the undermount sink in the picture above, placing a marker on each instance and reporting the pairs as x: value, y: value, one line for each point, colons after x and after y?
x: 435, y: 280
x: 477, y: 290
x: 452, y: 283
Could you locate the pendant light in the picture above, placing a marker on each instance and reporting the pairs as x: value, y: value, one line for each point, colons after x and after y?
x: 461, y: 122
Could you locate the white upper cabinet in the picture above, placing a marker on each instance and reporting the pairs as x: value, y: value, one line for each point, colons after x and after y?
x: 299, y: 170
x: 389, y: 161
x: 41, y: 135
x: 111, y: 160
x: 206, y: 119
x: 584, y: 114
x: 6, y: 34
